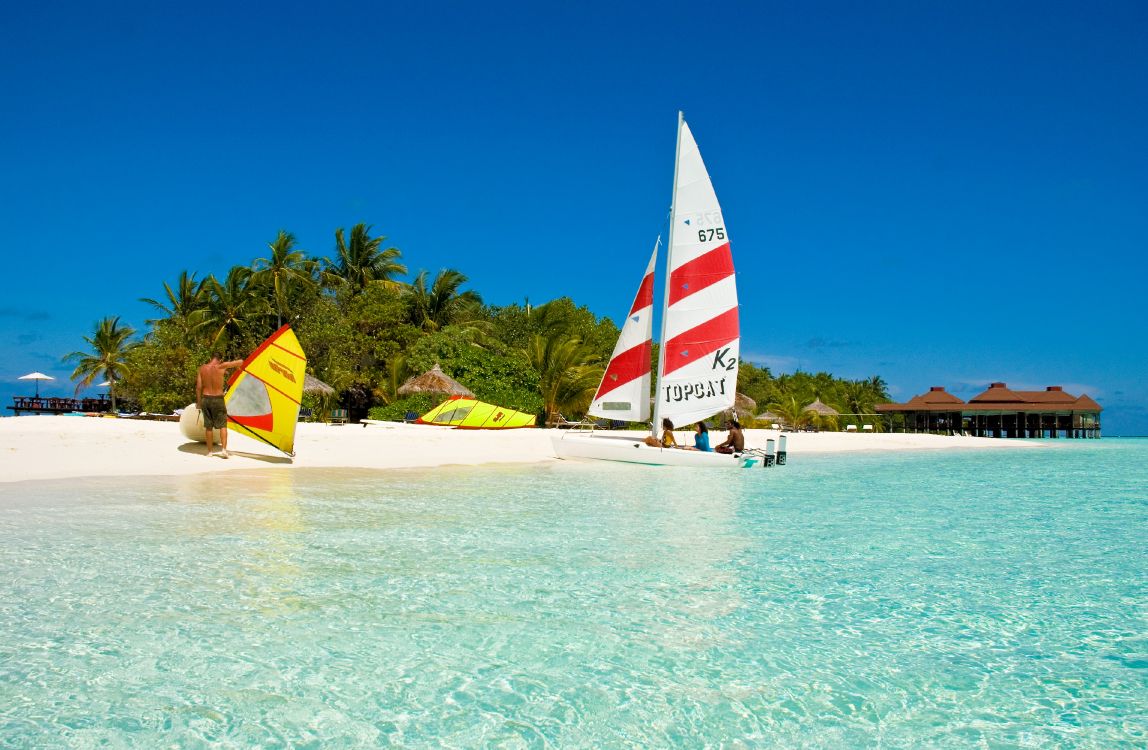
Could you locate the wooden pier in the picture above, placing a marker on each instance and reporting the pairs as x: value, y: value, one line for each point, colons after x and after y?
x: 51, y: 405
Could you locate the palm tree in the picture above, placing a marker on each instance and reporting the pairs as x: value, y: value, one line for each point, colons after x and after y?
x: 360, y: 262
x: 286, y: 268
x: 233, y: 310
x: 182, y: 304
x: 107, y: 358
x: 395, y: 374
x: 568, y: 372
x: 443, y: 304
x: 878, y: 388
x: 792, y: 412
x: 857, y: 398
x: 860, y: 398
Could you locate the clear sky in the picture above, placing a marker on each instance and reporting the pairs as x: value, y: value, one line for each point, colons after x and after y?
x: 937, y: 193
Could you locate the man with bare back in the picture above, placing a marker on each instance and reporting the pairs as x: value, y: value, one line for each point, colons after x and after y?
x: 209, y: 399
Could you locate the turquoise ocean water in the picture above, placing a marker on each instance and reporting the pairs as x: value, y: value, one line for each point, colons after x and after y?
x: 917, y: 600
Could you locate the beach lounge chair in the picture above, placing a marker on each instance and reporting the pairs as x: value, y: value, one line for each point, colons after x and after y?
x: 563, y: 423
x: 338, y: 416
x: 851, y: 428
x: 304, y: 414
x: 410, y: 416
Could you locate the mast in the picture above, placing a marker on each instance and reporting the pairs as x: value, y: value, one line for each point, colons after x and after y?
x: 656, y: 423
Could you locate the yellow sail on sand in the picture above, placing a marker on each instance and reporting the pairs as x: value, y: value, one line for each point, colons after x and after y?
x: 470, y: 414
x: 264, y: 394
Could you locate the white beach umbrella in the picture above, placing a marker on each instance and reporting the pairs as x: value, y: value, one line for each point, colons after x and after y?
x: 37, y: 376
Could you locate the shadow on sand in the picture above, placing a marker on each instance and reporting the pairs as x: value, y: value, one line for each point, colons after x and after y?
x: 199, y: 448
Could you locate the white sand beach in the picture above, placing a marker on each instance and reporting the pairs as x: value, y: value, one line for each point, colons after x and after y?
x: 59, y: 447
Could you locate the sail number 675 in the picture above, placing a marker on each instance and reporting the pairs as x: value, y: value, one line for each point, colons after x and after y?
x: 709, y: 235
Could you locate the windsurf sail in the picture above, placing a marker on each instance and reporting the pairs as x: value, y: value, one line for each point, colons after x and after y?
x: 624, y: 392
x: 470, y: 414
x: 697, y: 376
x: 264, y: 394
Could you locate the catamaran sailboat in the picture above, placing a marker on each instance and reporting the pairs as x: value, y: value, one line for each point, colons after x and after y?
x: 697, y: 367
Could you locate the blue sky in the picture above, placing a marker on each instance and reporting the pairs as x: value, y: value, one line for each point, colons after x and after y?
x: 938, y: 193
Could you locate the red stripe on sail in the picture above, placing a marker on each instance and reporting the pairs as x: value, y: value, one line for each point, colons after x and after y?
x: 256, y: 422
x: 703, y: 271
x: 626, y: 367
x: 645, y: 296
x: 690, y: 346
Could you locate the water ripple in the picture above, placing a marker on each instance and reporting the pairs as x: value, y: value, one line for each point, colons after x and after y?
x: 979, y: 600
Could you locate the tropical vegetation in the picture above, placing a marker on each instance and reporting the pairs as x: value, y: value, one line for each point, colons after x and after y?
x: 365, y: 331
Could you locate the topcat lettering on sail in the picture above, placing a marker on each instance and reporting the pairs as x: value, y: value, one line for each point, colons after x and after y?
x: 678, y: 392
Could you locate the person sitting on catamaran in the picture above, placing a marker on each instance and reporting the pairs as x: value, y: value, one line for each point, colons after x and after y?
x: 701, y: 439
x: 734, y: 441
x: 667, y: 440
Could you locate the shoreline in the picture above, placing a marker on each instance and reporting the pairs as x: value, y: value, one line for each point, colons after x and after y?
x: 69, y: 447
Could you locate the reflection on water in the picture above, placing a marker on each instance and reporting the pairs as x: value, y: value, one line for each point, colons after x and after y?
x: 907, y: 601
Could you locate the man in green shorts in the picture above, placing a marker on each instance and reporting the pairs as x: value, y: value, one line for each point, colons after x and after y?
x: 209, y: 399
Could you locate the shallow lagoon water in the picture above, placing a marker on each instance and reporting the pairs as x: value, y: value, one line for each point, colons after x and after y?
x: 904, y: 600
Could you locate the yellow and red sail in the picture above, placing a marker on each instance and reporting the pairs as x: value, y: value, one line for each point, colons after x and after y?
x: 264, y: 394
x: 470, y: 414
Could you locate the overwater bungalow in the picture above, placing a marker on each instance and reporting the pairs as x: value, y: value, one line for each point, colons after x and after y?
x: 1001, y: 412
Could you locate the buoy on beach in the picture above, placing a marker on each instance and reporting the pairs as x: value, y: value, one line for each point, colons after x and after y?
x: 191, y: 424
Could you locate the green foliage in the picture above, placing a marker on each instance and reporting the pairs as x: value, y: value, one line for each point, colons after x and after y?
x: 365, y: 333
x: 757, y: 383
x: 396, y: 411
x: 163, y: 367
x: 285, y: 275
x: 108, y: 357
x: 350, y: 340
x: 503, y: 379
x: 511, y: 326
x: 568, y: 371
x: 360, y: 262
x: 788, y: 395
x: 562, y: 316
x: 443, y: 303
x: 234, y: 313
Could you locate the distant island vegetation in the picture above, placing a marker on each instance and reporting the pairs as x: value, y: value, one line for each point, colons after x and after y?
x: 365, y: 332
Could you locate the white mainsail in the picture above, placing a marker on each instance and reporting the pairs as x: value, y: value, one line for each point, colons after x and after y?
x: 697, y: 374
x: 624, y: 392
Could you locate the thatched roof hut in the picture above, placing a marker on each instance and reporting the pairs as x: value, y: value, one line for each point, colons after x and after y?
x: 743, y: 405
x: 817, y: 407
x: 434, y: 380
x: 312, y: 384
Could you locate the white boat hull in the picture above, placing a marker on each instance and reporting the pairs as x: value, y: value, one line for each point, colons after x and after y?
x: 630, y: 449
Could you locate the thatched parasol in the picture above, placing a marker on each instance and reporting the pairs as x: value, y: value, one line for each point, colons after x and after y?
x: 312, y: 384
x: 434, y: 380
x: 823, y: 409
x: 743, y: 405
